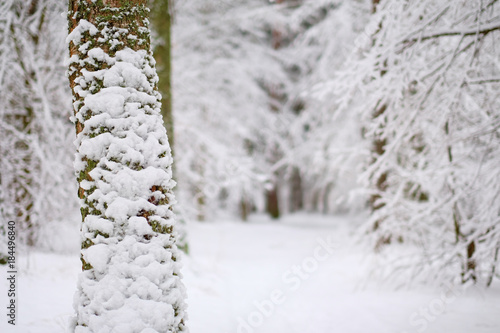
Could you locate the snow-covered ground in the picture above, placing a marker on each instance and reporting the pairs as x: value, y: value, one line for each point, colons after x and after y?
x: 301, y: 274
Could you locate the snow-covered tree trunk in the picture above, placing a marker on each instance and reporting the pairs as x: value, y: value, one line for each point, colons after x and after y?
x: 130, y: 280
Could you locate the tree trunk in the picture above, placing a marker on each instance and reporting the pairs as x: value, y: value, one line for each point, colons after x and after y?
x: 378, y: 149
x: 161, y: 20
x: 296, y: 191
x: 25, y: 185
x: 273, y: 203
x: 244, y: 209
x: 129, y: 254
x: 374, y: 5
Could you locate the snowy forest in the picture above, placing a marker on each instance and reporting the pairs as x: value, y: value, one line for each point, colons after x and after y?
x: 250, y: 166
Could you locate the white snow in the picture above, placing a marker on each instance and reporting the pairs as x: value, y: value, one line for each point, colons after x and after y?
x: 302, y: 274
x: 97, y: 256
x: 83, y: 26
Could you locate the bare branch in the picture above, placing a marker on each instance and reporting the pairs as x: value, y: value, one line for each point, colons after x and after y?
x: 448, y: 33
x: 484, y: 80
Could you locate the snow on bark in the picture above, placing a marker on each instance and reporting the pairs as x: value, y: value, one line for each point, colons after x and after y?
x: 131, y: 279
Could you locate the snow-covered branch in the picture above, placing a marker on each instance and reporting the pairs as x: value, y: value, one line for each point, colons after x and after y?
x: 482, y: 30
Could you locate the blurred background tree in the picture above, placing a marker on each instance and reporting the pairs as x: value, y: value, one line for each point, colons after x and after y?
x: 35, y: 141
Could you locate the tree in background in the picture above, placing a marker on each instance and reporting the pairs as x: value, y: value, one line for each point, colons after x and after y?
x: 130, y: 280
x: 425, y: 86
x: 223, y: 66
x: 161, y: 18
x: 441, y: 157
x: 320, y: 164
x: 241, y: 69
x: 35, y: 169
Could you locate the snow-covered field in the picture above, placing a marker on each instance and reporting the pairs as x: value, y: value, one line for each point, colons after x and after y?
x: 301, y: 274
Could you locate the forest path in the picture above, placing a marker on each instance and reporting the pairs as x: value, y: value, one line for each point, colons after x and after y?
x: 298, y: 274
x: 303, y: 274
